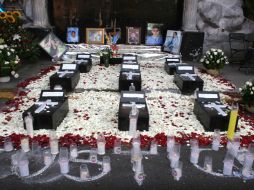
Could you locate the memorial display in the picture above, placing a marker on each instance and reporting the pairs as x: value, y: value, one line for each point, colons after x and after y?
x: 95, y: 35
x: 133, y: 35
x: 154, y: 34
x: 172, y: 42
x: 72, y: 35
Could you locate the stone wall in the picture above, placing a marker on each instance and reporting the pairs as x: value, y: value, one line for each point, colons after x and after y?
x: 218, y: 18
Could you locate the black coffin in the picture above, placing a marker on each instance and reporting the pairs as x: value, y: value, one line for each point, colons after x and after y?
x: 209, y: 117
x: 188, y: 86
x: 170, y: 68
x: 125, y: 83
x: 184, y: 83
x: 123, y: 117
x: 84, y: 62
x: 125, y: 107
x: 112, y: 60
x: 51, y: 117
x: 68, y: 81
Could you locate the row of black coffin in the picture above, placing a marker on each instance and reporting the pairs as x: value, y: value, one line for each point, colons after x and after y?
x: 52, y: 116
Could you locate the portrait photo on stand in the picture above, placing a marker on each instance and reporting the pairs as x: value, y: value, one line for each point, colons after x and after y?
x: 133, y: 35
x: 154, y: 34
x: 172, y: 42
x: 53, y: 46
x: 112, y: 35
x: 73, y: 35
x: 95, y: 35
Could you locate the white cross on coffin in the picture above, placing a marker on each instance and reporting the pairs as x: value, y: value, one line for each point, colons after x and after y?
x: 218, y: 108
x: 42, y: 105
x: 63, y: 73
x: 190, y: 76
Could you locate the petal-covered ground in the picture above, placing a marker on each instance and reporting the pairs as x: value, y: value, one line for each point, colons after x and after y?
x: 96, y: 108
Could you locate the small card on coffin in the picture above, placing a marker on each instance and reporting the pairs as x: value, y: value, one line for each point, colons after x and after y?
x: 170, y: 65
x: 125, y: 107
x: 186, y: 79
x: 130, y: 57
x: 211, y: 113
x: 50, y: 110
x: 68, y: 77
x: 84, y: 62
x: 130, y: 67
x: 126, y: 78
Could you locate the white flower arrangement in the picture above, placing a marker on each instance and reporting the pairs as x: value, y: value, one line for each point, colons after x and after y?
x: 8, y: 61
x: 214, y: 59
x: 247, y: 92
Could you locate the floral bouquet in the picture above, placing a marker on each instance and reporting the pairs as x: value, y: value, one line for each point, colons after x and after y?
x: 214, y: 59
x: 9, y: 60
x: 14, y: 35
x: 247, y: 92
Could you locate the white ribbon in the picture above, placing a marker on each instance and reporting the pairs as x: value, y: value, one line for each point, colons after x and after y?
x: 63, y: 73
x: 218, y: 108
x: 42, y: 105
x: 190, y: 76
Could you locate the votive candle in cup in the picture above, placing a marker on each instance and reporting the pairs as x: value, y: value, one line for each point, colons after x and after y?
x: 23, y: 165
x: 93, y: 155
x: 25, y: 144
x: 154, y: 148
x: 84, y: 172
x: 8, y: 145
x: 216, y: 140
x: 73, y: 151
x: 117, y: 146
x: 101, y: 144
x: 208, y: 164
x: 64, y: 160
x: 54, y: 146
x: 228, y: 164
x: 47, y: 157
x: 106, y: 167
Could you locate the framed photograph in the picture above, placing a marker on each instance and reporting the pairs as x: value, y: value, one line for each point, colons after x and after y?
x: 95, y: 35
x: 173, y: 42
x: 53, y: 46
x: 113, y: 35
x: 154, y: 34
x: 133, y: 35
x: 72, y: 35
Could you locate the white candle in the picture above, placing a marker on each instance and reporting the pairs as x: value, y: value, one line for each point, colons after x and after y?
x: 138, y: 167
x: 64, y: 166
x: 101, y: 144
x: 170, y: 143
x: 23, y: 167
x: 47, y: 158
x: 177, y: 171
x: 208, y: 164
x: 93, y: 155
x: 84, y: 172
x: 25, y: 144
x: 29, y: 124
x: 216, y: 140
x: 14, y: 159
x: 117, y: 146
x: 54, y: 146
x: 101, y: 148
x: 194, y: 156
x: 73, y: 151
x: 106, y: 167
x: 246, y: 172
x: 153, y: 148
x: 8, y: 146
x: 228, y: 164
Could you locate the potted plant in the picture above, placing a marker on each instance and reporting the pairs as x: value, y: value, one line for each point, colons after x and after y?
x: 214, y: 60
x: 9, y: 62
x: 247, y: 93
x: 105, y: 55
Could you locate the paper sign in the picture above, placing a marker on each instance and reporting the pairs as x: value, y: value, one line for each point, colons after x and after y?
x: 52, y: 94
x: 129, y: 58
x: 133, y: 95
x: 69, y: 67
x: 138, y: 105
x: 208, y: 96
x: 130, y: 66
x: 185, y: 68
x: 171, y: 60
x: 84, y: 56
x: 174, y: 56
